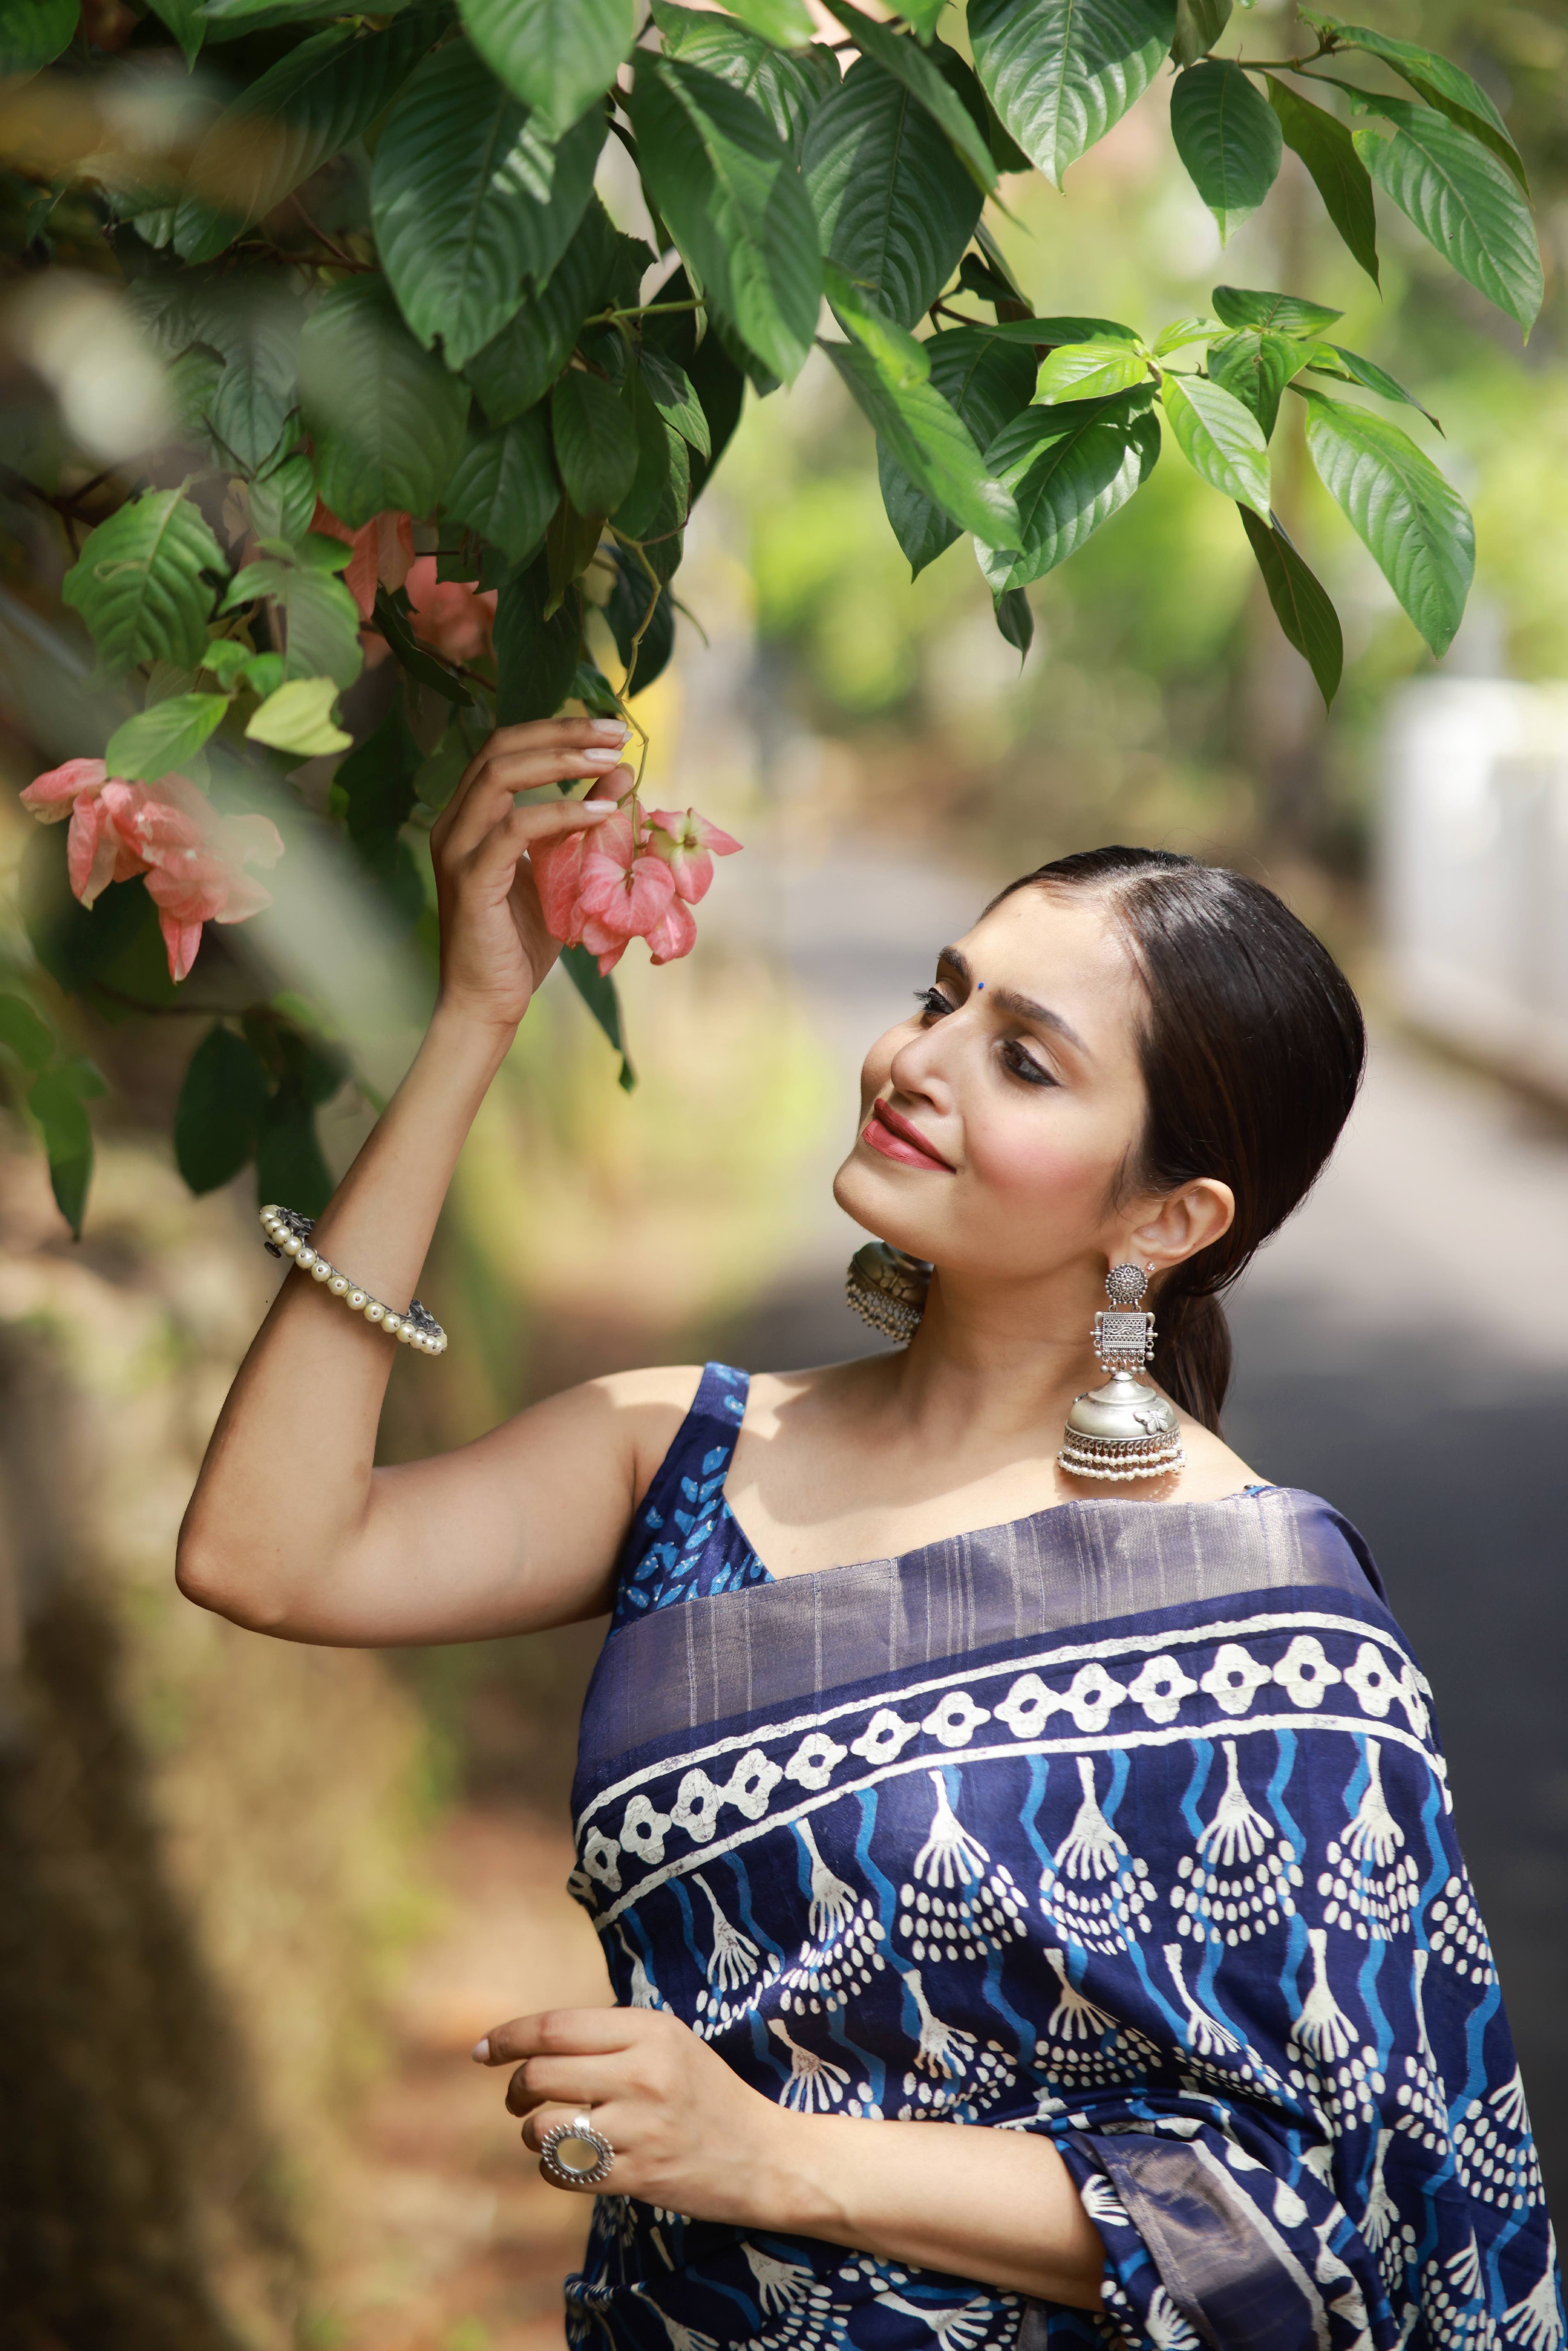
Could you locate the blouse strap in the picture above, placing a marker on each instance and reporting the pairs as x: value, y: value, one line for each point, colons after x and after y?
x: 710, y: 1429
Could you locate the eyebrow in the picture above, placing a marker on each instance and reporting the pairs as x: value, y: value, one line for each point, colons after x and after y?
x: 1023, y: 1006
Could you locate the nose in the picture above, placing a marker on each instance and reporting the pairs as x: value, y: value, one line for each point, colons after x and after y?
x: 920, y: 1067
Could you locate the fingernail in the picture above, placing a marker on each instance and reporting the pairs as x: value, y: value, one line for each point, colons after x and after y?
x: 600, y: 756
x: 598, y: 807
x: 615, y: 726
x: 480, y: 2052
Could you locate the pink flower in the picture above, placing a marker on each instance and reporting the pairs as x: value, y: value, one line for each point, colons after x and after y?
x: 675, y: 933
x: 689, y: 844
x: 451, y: 616
x: 193, y: 858
x: 384, y: 552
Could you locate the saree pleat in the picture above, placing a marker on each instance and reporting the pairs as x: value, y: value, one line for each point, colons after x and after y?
x: 1125, y: 1823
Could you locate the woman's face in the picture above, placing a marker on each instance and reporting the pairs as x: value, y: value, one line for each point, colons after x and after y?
x: 996, y: 1122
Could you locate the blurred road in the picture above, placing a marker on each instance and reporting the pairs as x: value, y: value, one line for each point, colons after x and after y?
x: 1403, y: 1350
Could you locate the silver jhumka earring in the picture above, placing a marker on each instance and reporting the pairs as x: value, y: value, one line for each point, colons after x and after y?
x: 887, y: 1288
x: 1124, y: 1429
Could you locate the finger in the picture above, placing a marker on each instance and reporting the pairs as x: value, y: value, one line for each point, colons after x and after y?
x: 618, y: 2123
x: 564, y: 2082
x: 560, y: 2032
x: 491, y: 790
x: 503, y: 848
x: 560, y: 735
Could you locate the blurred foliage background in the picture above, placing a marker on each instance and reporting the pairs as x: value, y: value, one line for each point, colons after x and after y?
x: 232, y: 2078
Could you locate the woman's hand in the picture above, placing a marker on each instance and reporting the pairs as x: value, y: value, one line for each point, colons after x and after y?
x: 688, y: 2133
x: 494, y: 948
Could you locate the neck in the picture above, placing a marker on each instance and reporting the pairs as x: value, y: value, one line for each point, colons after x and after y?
x: 1003, y: 1363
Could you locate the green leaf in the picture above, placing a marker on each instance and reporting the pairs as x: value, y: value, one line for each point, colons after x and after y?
x: 556, y: 56
x: 535, y: 658
x: 597, y: 990
x: 898, y: 55
x: 628, y: 611
x: 161, y: 740
x: 734, y: 204
x: 218, y: 1116
x: 674, y: 394
x: 290, y: 1165
x: 1441, y: 83
x: 138, y: 583
x: 513, y: 373
x: 386, y: 420
x: 930, y: 441
x: 303, y: 110
x: 255, y: 326
x: 1332, y: 359
x: 987, y: 380
x: 1053, y: 332
x: 1060, y: 72
x: 716, y: 378
x: 1200, y: 24
x: 1282, y: 314
x: 506, y: 486
x: 34, y: 31
x: 1463, y: 201
x: 1300, y: 604
x: 785, y: 87
x: 1069, y: 470
x: 1415, y: 523
x: 1015, y: 621
x: 298, y: 718
x: 1089, y: 372
x: 468, y: 201
x: 379, y: 778
x: 894, y: 206
x: 1227, y: 135
x: 660, y: 492
x: 787, y: 23
x: 23, y: 1033
x: 283, y: 499
x: 1338, y: 174
x: 313, y: 613
x: 1255, y: 368
x: 1221, y: 440
x: 1182, y: 333
x: 56, y: 1099
x: 225, y: 659
x: 901, y: 357
x: 186, y: 19
x: 595, y: 442
x: 390, y: 620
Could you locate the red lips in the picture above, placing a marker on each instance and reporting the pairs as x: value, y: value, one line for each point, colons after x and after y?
x: 897, y: 1139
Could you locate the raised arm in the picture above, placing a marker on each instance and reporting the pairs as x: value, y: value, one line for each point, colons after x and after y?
x: 292, y: 1529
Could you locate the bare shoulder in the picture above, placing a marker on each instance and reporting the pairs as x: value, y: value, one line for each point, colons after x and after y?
x: 796, y: 1396
x: 1213, y: 1470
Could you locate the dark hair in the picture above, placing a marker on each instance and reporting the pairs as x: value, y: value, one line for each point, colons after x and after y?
x: 1251, y: 1053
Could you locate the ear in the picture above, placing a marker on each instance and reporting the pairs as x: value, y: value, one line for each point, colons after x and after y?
x: 1189, y: 1220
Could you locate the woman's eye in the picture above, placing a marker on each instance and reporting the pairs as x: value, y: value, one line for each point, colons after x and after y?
x: 1022, y: 1064
x: 933, y: 1003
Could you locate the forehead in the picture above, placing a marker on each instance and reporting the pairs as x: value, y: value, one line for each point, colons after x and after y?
x: 1064, y: 949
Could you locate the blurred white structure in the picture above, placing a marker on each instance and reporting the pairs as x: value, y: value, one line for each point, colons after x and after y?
x: 1475, y: 868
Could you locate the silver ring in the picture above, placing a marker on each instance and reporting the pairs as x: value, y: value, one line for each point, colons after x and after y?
x: 562, y: 2174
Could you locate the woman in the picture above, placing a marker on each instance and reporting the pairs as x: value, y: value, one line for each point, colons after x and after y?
x: 958, y: 1786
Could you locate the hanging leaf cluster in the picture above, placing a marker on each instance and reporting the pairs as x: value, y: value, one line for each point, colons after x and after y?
x: 401, y: 323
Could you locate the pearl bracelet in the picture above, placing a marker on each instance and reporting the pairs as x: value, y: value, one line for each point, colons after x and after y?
x: 288, y: 1235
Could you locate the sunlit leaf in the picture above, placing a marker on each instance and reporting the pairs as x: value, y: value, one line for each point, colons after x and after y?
x: 894, y: 206
x: 140, y: 583
x: 927, y: 81
x: 1220, y: 438
x: 1060, y: 72
x: 1338, y: 174
x: 298, y: 718
x: 902, y: 358
x: 1415, y: 523
x: 513, y: 372
x: 674, y: 396
x: 313, y: 613
x: 1439, y: 80
x: 1052, y: 332
x: 1301, y: 602
x: 1281, y: 314
x: 727, y: 186
x: 1463, y: 202
x: 1069, y: 469
x: 1332, y: 359
x: 786, y: 88
x: 931, y: 443
x: 788, y: 23
x: 1256, y: 366
x: 556, y: 56
x: 1228, y: 137
x: 1088, y: 370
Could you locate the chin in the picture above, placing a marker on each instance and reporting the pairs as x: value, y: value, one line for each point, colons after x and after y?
x: 871, y: 1199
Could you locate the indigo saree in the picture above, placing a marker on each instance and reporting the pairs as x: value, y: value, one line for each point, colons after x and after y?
x: 1126, y: 1824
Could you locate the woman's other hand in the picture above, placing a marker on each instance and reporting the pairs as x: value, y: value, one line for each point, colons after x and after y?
x: 495, y: 947
x: 688, y: 2133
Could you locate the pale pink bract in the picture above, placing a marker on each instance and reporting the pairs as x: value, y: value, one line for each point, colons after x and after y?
x: 193, y: 858
x: 629, y: 880
x: 383, y: 552
x: 453, y: 616
x: 689, y: 844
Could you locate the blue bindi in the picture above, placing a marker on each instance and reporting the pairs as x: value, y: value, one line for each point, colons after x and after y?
x: 980, y: 984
